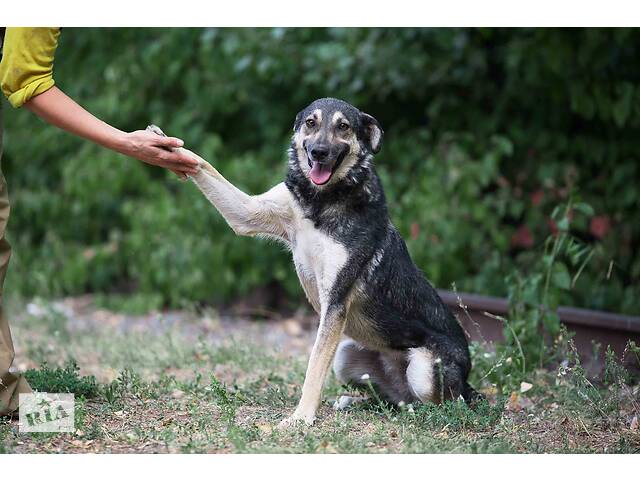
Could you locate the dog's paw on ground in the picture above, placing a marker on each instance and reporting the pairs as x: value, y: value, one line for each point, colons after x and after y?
x: 295, y: 421
x: 347, y: 401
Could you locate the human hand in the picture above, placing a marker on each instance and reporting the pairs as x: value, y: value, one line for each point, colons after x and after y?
x: 153, y: 149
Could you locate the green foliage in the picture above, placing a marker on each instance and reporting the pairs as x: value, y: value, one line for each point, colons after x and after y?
x: 456, y: 415
x: 239, y: 435
x: 486, y: 131
x: 128, y: 384
x: 62, y: 380
x: 584, y: 398
x: 535, y: 297
x: 223, y: 399
x: 532, y: 326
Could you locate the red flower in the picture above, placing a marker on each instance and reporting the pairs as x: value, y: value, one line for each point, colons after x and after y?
x: 522, y: 237
x: 536, y: 197
x: 415, y: 230
x: 600, y: 226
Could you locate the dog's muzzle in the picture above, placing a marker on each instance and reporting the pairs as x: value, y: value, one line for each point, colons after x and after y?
x: 323, y: 161
x: 321, y: 166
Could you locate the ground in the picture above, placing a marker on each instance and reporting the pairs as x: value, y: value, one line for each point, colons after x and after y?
x: 197, y: 381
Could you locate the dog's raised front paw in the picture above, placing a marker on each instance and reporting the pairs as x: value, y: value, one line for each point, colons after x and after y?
x: 155, y: 129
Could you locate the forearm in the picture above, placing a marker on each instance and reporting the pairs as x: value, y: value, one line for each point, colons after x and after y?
x: 56, y: 108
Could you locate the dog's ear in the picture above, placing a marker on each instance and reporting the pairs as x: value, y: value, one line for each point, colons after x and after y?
x: 372, y: 131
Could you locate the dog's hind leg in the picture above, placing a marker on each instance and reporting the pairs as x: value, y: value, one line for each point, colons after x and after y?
x: 421, y: 374
x: 363, y: 368
x: 434, y: 378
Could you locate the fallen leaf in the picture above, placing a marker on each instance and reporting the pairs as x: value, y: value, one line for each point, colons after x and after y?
x: 517, y: 402
x: 634, y: 423
x: 489, y: 391
x: 514, y: 402
x: 328, y: 447
x: 265, y: 428
x: 525, y: 387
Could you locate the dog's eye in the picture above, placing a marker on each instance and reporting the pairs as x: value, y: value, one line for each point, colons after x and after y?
x: 311, y: 123
x: 343, y: 127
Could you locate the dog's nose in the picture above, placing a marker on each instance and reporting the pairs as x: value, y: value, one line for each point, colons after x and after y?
x: 319, y: 152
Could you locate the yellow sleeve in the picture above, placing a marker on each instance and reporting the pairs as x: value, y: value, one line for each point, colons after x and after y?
x: 26, y: 69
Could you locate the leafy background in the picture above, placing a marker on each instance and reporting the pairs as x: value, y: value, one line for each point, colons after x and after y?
x: 487, y: 131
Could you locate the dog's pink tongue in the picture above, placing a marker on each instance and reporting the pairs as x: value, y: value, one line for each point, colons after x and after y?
x: 320, y: 173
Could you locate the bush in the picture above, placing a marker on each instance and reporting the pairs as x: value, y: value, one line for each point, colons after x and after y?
x: 62, y: 380
x: 486, y: 131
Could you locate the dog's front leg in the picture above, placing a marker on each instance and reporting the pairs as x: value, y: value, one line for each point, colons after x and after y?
x: 268, y: 213
x: 332, y: 324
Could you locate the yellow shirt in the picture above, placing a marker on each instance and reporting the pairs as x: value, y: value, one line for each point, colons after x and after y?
x: 26, y: 69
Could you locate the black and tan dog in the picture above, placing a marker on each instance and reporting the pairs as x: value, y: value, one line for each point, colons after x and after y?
x: 352, y: 263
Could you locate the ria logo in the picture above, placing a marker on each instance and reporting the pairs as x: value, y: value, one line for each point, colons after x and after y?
x: 46, y: 412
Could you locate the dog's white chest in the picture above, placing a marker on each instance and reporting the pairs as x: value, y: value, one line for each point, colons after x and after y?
x: 318, y: 259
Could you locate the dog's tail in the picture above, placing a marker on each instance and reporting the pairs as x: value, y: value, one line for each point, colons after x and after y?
x: 472, y: 396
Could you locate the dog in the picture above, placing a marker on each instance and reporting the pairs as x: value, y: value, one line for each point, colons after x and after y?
x: 353, y: 265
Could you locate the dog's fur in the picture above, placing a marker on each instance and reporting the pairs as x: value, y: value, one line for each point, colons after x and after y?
x: 352, y: 263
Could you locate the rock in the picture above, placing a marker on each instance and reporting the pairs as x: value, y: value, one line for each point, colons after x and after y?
x: 177, y: 394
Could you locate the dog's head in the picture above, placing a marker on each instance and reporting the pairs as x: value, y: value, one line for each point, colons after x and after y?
x: 331, y: 137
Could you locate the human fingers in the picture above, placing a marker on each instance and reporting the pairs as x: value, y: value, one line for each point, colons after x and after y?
x: 169, y: 142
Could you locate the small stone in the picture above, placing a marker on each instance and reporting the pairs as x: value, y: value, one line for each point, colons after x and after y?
x: 177, y: 394
x: 292, y: 327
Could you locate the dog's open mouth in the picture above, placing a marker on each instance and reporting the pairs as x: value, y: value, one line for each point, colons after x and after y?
x: 320, y: 173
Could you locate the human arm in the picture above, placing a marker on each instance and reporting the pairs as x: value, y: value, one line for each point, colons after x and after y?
x: 56, y: 108
x: 26, y: 79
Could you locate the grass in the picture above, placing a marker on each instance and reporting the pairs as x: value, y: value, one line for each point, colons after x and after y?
x: 184, y: 382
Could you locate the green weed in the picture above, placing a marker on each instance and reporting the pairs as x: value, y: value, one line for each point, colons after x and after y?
x: 62, y: 380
